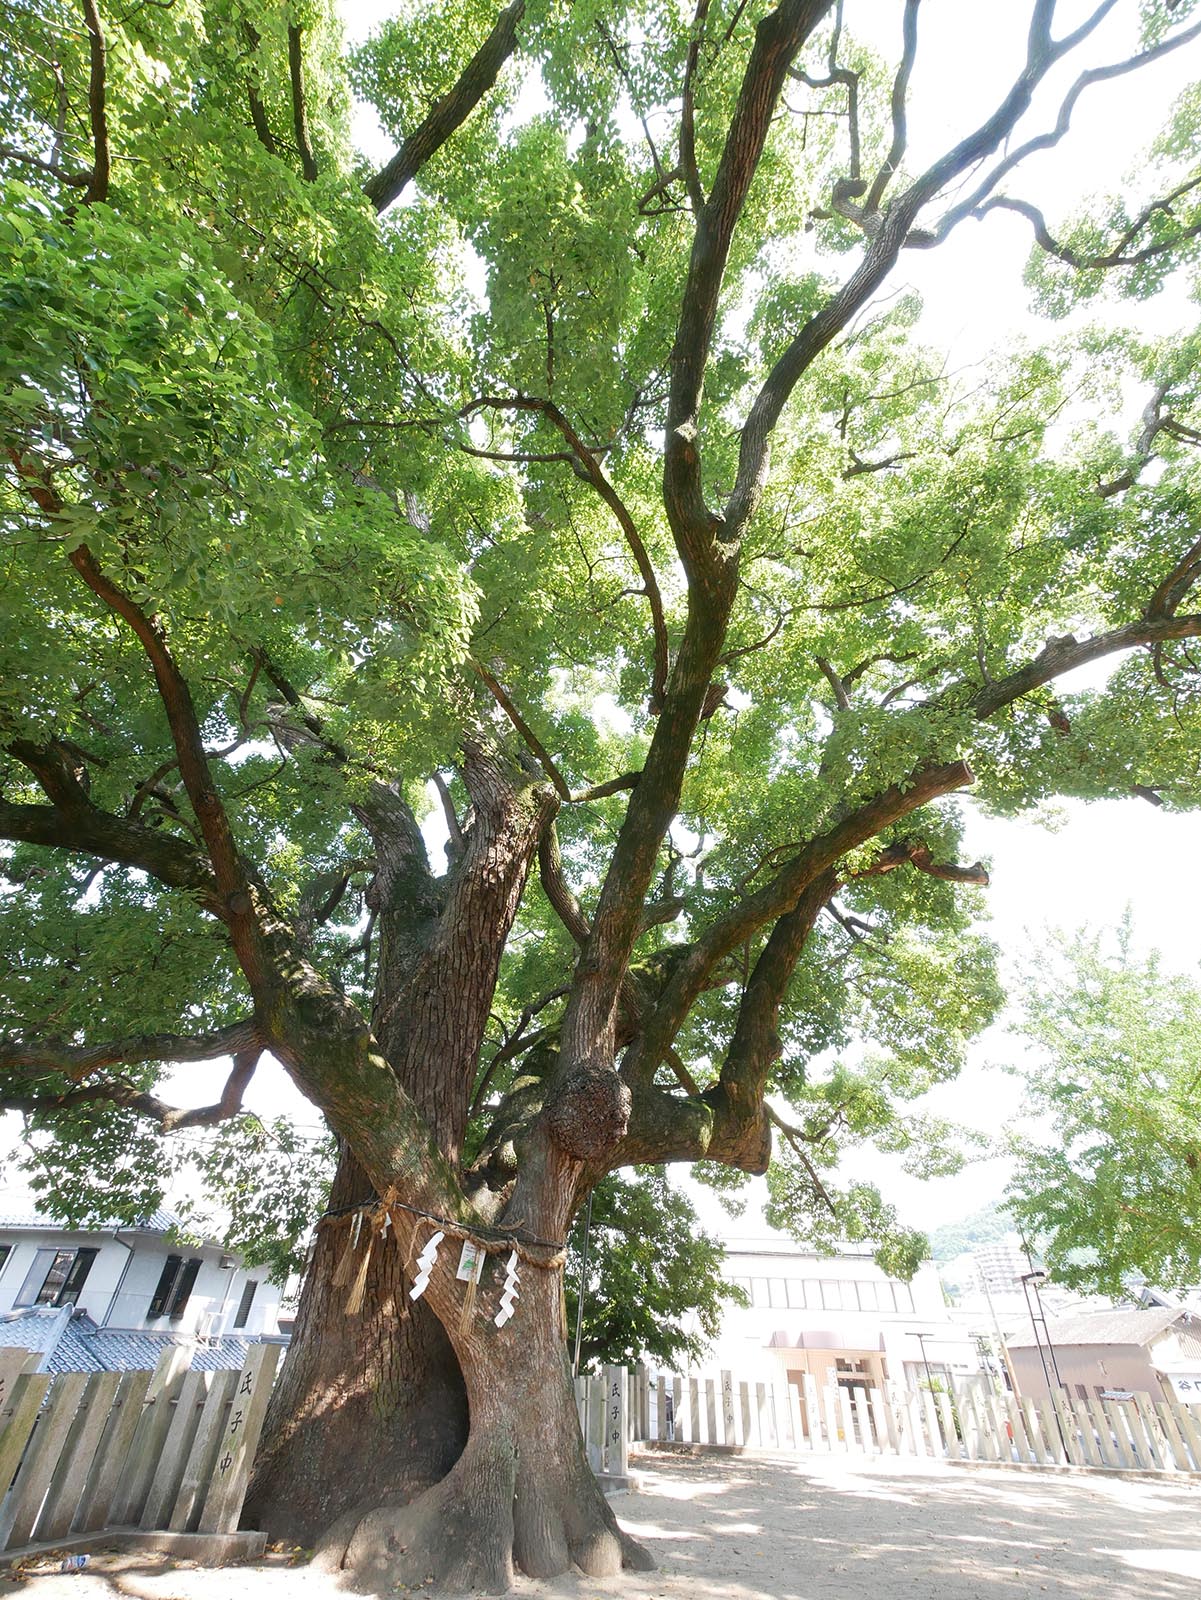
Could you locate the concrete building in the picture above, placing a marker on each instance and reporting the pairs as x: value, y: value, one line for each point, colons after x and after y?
x: 1153, y: 1350
x: 839, y: 1318
x: 112, y: 1296
x: 999, y: 1266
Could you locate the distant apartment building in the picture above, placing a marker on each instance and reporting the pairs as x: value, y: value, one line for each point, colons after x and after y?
x: 999, y: 1266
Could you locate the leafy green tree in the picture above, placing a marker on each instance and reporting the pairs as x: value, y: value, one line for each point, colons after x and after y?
x: 668, y: 571
x: 653, y: 1286
x: 1112, y: 1188
x: 990, y: 1223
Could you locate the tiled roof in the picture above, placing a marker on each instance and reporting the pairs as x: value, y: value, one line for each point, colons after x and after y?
x: 37, y: 1328
x: 84, y: 1347
x: 159, y: 1221
x: 74, y: 1343
x: 1123, y: 1325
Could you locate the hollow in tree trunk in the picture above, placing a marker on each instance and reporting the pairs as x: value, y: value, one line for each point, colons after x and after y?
x: 521, y: 1496
x: 361, y: 1400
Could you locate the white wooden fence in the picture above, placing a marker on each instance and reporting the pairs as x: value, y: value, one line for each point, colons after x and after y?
x: 971, y: 1424
x: 87, y: 1452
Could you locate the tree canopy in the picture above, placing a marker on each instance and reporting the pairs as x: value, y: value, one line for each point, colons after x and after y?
x: 575, y: 479
x: 1108, y: 1179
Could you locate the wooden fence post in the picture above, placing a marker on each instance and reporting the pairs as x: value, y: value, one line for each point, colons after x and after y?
x: 77, y: 1455
x: 235, y: 1455
x: 153, y: 1425
x: 19, y: 1416
x: 202, y: 1457
x: 112, y: 1452
x: 41, y: 1457
x: 728, y: 1433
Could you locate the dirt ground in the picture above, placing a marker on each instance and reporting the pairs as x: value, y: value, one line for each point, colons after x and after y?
x: 808, y: 1529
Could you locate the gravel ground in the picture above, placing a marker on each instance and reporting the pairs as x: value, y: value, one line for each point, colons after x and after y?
x: 818, y: 1528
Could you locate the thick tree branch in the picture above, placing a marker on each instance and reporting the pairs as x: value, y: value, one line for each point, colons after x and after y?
x: 541, y: 754
x: 900, y: 92
x: 915, y: 853
x: 258, y: 112
x: 556, y: 888
x: 1176, y: 585
x: 97, y: 189
x: 777, y: 898
x: 171, y: 1119
x: 450, y: 112
x: 778, y: 38
x: 74, y: 180
x: 300, y: 109
x: 600, y: 791
x: 688, y: 167
x: 1120, y: 256
x: 1062, y: 655
x: 755, y: 1046
x: 86, y: 830
x: 78, y: 1061
x: 454, y: 831
x: 841, y: 698
x: 177, y: 702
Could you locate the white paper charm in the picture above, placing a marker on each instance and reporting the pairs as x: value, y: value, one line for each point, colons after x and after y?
x: 471, y: 1262
x: 508, y: 1293
x: 425, y: 1263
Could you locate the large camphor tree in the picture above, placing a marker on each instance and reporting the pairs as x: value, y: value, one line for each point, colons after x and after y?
x: 576, y: 476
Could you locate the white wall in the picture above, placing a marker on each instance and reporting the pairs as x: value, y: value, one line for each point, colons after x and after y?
x: 120, y: 1298
x: 829, y: 1289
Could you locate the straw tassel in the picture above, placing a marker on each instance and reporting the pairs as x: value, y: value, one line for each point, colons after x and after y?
x: 467, y: 1311
x: 345, y: 1267
x: 358, y: 1289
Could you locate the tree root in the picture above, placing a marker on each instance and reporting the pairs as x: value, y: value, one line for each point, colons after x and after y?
x: 485, y: 1519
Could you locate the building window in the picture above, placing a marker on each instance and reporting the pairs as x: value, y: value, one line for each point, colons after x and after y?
x: 903, y: 1295
x: 174, y: 1287
x: 796, y: 1294
x: 868, y: 1299
x: 6, y: 1250
x: 77, y: 1274
x: 759, y: 1292
x: 55, y: 1278
x: 777, y: 1293
x: 245, y: 1303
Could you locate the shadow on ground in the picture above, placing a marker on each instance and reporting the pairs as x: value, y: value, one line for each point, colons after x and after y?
x: 813, y: 1529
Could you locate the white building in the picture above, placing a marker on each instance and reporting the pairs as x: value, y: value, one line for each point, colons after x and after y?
x: 113, y: 1296
x: 840, y: 1318
x: 1000, y: 1265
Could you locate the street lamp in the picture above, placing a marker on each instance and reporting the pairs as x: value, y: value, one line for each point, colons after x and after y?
x: 921, y: 1339
x: 1029, y: 1280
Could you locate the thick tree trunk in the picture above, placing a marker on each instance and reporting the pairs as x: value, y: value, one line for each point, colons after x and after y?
x: 521, y: 1495
x: 362, y: 1401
